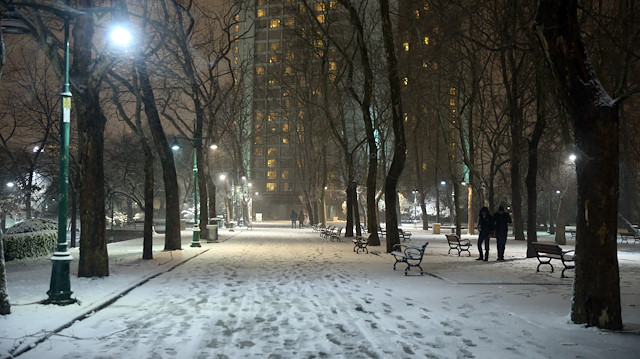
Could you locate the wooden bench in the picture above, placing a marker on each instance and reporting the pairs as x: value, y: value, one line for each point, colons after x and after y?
x: 335, y: 234
x: 626, y: 236
x: 546, y: 252
x: 360, y: 243
x: 461, y: 245
x: 410, y: 255
x: 405, y: 235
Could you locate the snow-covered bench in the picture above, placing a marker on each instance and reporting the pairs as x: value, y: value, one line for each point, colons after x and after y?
x: 546, y: 252
x: 461, y: 245
x: 360, y: 243
x: 405, y: 235
x: 410, y: 255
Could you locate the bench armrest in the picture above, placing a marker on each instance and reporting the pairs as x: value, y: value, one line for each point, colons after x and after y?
x: 568, y: 256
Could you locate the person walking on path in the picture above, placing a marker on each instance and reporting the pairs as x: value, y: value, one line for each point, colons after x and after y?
x: 501, y: 220
x: 293, y: 217
x: 301, y: 219
x: 485, y: 228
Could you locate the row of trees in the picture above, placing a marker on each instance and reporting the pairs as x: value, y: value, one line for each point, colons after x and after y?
x: 457, y: 90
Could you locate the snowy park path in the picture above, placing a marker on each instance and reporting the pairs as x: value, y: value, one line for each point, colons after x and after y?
x: 272, y: 293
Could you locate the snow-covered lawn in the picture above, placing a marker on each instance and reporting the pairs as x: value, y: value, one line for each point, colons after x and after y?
x: 285, y: 293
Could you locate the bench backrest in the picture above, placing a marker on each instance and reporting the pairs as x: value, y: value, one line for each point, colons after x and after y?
x: 547, y: 248
x: 453, y: 238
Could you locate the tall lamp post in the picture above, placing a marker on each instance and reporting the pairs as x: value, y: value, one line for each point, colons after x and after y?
x: 60, y: 285
x: 195, y: 240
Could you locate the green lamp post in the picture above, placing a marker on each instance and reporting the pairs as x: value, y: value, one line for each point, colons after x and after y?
x: 60, y: 286
x: 195, y: 240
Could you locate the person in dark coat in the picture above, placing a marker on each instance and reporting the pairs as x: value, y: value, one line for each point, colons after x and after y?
x: 485, y: 229
x: 294, y: 217
x: 501, y: 220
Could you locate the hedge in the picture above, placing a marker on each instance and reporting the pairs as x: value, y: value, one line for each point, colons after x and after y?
x: 32, y: 244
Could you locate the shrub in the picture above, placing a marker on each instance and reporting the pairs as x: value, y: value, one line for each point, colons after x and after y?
x: 32, y: 244
x: 33, y: 225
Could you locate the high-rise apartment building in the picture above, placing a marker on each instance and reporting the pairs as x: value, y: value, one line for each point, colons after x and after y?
x: 272, y: 42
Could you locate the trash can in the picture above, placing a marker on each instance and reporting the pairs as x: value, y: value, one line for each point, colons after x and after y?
x: 436, y: 228
x: 453, y: 229
x: 213, y: 233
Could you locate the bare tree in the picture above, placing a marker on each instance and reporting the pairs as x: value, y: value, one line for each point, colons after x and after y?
x: 596, y: 295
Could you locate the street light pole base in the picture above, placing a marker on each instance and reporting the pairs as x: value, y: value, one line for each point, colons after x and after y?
x: 195, y: 241
x: 60, y: 288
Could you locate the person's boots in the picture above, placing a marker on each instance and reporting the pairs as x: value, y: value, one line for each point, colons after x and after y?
x: 486, y: 255
x: 479, y: 258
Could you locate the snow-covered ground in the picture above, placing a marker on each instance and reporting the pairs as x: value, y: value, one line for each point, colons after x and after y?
x: 283, y: 293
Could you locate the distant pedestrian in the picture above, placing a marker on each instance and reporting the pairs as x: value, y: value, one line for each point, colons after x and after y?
x: 294, y: 217
x: 501, y: 220
x: 485, y: 228
x: 301, y: 219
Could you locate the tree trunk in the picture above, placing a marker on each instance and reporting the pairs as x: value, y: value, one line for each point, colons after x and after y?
x: 149, y: 182
x: 532, y: 170
x: 74, y: 213
x: 172, y: 240
x: 94, y: 261
x: 596, y: 286
x: 399, y: 141
x: 5, y: 307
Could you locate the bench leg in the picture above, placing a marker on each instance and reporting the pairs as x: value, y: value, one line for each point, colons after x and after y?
x: 541, y: 263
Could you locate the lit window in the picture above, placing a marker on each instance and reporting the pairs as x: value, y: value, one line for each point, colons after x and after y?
x: 272, y: 82
x: 405, y: 45
x: 452, y: 101
x: 285, y: 93
x: 271, y: 151
x: 271, y: 186
x: 237, y: 17
x: 320, y: 18
x: 262, y: 13
x: 272, y: 174
x: 333, y: 66
x: 288, y: 70
x: 416, y: 13
x: 273, y: 58
x: 259, y: 116
x: 274, y: 46
x: 261, y: 2
x: 237, y: 28
x: 318, y: 43
x: 332, y: 77
x: 452, y: 91
x: 274, y: 23
x: 303, y: 9
x: 406, y: 117
x: 271, y: 163
x: 425, y: 64
x: 285, y: 140
x: 435, y: 65
x: 289, y: 56
x: 333, y: 4
x: 289, y: 21
x: 405, y: 81
x: 426, y: 40
x: 235, y: 60
x: 426, y: 6
x: 258, y: 152
x: 285, y: 127
x: 258, y: 140
x: 285, y: 174
x: 236, y: 49
x: 259, y: 70
x: 320, y: 6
